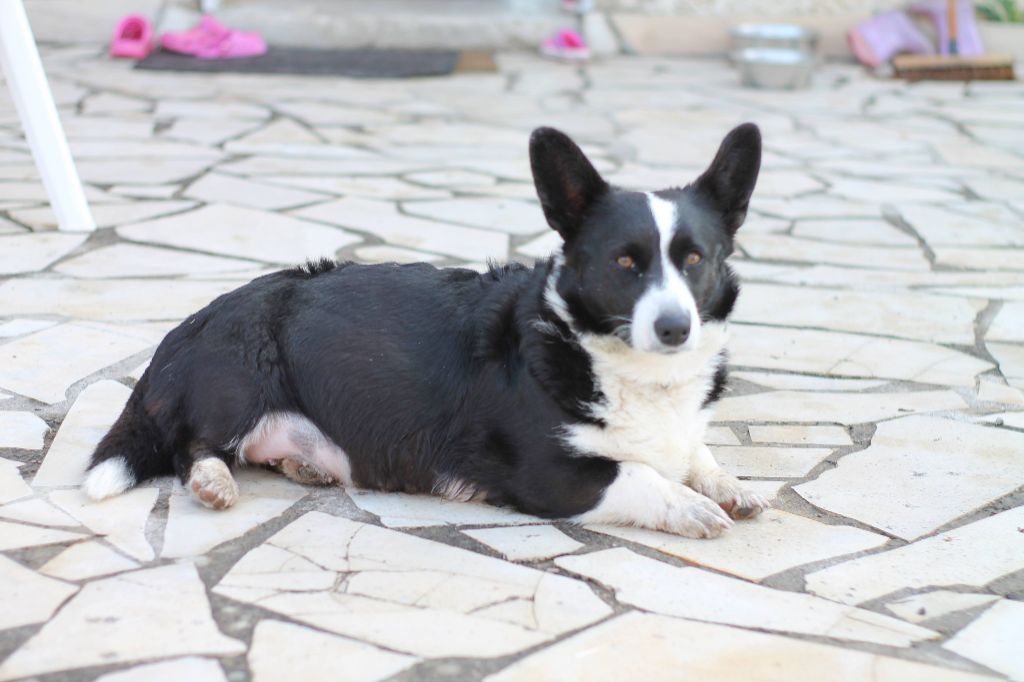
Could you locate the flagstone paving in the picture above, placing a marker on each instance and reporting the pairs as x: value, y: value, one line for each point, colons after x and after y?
x: 877, y: 395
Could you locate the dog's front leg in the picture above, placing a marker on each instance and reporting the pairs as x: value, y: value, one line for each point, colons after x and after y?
x: 640, y: 496
x: 707, y: 478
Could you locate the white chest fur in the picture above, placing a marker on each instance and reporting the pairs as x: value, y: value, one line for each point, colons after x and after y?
x: 652, y: 409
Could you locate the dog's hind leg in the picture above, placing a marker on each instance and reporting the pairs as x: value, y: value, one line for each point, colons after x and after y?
x: 293, y: 445
x: 209, y: 477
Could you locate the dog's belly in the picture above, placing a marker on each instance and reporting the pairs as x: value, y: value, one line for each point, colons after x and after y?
x: 289, y: 436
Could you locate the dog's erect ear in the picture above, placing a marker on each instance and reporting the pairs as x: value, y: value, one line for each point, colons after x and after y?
x: 566, y: 182
x: 729, y: 180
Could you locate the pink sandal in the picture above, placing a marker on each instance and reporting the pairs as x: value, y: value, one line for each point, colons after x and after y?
x: 885, y: 35
x: 133, y: 38
x: 212, y: 40
x: 566, y: 44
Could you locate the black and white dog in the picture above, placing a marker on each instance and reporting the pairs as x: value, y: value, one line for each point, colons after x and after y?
x: 576, y: 389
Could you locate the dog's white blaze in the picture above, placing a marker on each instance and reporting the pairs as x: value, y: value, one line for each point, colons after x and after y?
x: 671, y: 293
x: 289, y: 435
x: 108, y: 478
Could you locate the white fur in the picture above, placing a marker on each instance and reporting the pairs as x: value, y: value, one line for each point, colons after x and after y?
x: 108, y: 478
x: 671, y: 293
x: 212, y: 484
x: 640, y: 496
x: 275, y: 437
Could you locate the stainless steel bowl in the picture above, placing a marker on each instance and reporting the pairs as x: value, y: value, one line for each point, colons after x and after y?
x: 774, y: 68
x: 779, y: 36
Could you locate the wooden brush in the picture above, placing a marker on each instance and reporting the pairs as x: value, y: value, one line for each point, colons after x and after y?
x: 953, y: 66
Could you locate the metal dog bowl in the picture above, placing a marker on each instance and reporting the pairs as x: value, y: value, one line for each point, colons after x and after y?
x: 774, y: 68
x: 778, y: 36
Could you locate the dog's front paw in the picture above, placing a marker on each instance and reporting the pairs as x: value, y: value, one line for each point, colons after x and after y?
x: 697, y: 517
x: 745, y: 504
x: 729, y: 493
x: 212, y: 483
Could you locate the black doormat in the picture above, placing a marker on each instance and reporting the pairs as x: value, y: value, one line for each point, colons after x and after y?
x: 363, y: 63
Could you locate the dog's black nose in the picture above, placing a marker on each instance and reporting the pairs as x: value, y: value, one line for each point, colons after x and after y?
x: 673, y: 328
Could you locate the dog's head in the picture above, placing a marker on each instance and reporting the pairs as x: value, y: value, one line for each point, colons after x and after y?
x: 646, y: 267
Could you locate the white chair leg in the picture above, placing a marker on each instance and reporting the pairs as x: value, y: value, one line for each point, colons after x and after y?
x: 34, y: 102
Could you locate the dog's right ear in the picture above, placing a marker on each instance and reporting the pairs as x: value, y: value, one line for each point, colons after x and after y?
x: 567, y: 183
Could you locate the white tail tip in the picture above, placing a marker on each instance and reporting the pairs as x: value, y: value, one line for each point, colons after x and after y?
x: 108, y: 478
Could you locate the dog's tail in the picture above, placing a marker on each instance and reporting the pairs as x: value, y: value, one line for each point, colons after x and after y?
x: 132, y: 451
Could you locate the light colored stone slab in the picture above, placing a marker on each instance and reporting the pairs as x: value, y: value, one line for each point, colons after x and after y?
x: 802, y: 435
x: 228, y: 189
x: 1010, y: 357
x: 243, y: 232
x: 286, y: 138
x: 133, y: 260
x: 31, y: 252
x: 697, y: 594
x: 370, y: 187
x: 720, y: 435
x: 210, y: 131
x: 877, y: 191
x: 193, y: 529
x: 767, y: 489
x: 838, y: 408
x: 191, y: 668
x: 762, y: 462
x: 37, y: 511
x: 282, y: 651
x: 12, y: 485
x: 908, y: 315
x: 392, y: 254
x: 383, y: 219
x: 206, y: 109
x: 940, y: 226
x: 503, y: 215
x: 542, y: 246
x: 994, y: 639
x: 105, y: 215
x: 648, y: 647
x: 1008, y: 324
x: 936, y: 470
x: 992, y: 392
x: 406, y: 593
x: 145, y: 191
x: 147, y: 171
x: 921, y: 607
x: 27, y: 596
x: 773, y: 542
x: 975, y: 554
x: 19, y: 535
x: 292, y: 166
x: 798, y: 382
x: 22, y: 430
x: 20, y: 327
x: 121, y: 520
x: 840, y: 354
x: 776, y: 247
x: 1014, y: 420
x: 865, y: 232
x: 86, y: 560
x: 452, y: 178
x: 399, y: 510
x: 526, y: 543
x: 116, y: 620
x: 93, y: 413
x: 986, y: 260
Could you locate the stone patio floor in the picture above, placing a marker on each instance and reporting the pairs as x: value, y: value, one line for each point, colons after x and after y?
x: 878, y: 350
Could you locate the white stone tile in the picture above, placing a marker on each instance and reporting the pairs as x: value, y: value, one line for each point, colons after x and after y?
x: 90, y: 417
x: 109, y: 103
x: 294, y: 166
x: 798, y: 382
x: 37, y: 511
x: 840, y: 354
x: 399, y: 510
x: 121, y: 520
x: 776, y: 247
x: 228, y: 189
x: 838, y: 408
x: 45, y: 364
x: 22, y: 430
x: 383, y: 219
x: 654, y: 648
x: 127, y: 299
x: 35, y: 193
x: 802, y: 435
x: 1008, y: 324
x: 149, y: 171
x: 192, y: 668
x: 321, y: 113
x: 503, y: 215
x: 974, y: 554
x: 767, y: 489
x: 865, y: 232
x: 994, y: 639
x: 193, y: 529
x: 942, y: 469
x: 382, y: 253
x: 720, y: 435
x: 86, y: 560
x: 133, y: 260
x: 940, y: 226
x: 371, y: 187
x: 877, y: 191
x: 962, y: 152
x: 21, y: 326
x: 158, y: 612
x: 452, y: 178
x: 543, y: 246
x: 696, y: 594
x: 984, y: 259
x: 283, y: 651
x: 526, y: 543
x: 1010, y: 357
x: 243, y: 232
x: 105, y: 215
x: 12, y: 485
x: 30, y: 252
x: 287, y: 138
x: 27, y: 596
x: 210, y: 131
x: 765, y: 462
x: 992, y: 392
x: 908, y: 315
x: 145, y: 191
x: 921, y: 607
x: 775, y: 541
x: 217, y: 110
x: 18, y: 536
x: 407, y: 594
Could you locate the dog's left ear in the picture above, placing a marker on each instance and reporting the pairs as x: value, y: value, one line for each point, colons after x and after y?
x: 567, y: 183
x: 729, y: 180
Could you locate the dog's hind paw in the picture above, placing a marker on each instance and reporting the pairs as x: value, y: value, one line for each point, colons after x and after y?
x: 212, y: 483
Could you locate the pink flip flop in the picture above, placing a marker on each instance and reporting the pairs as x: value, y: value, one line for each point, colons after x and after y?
x: 885, y: 35
x: 566, y: 44
x: 212, y: 40
x: 133, y: 38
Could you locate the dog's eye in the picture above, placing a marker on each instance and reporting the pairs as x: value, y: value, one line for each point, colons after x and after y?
x: 626, y: 262
x: 693, y: 258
